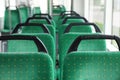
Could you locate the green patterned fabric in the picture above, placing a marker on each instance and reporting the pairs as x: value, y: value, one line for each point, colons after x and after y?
x: 47, y: 40
x: 11, y: 19
x: 88, y: 45
x: 61, y: 27
x: 50, y: 27
x: 58, y: 10
x: 92, y: 66
x: 21, y: 46
x: 71, y: 21
x: 79, y: 29
x: 32, y: 29
x: 43, y: 21
x: 36, y: 10
x: 26, y: 66
x: 23, y: 13
x: 55, y: 18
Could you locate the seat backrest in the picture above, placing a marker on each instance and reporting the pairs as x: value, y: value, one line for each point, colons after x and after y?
x: 76, y: 29
x: 83, y: 42
x: 36, y: 10
x: 57, y: 9
x: 50, y: 27
x: 92, y: 66
x: 79, y: 28
x: 26, y: 66
x: 43, y: 20
x: 39, y: 18
x: 21, y: 46
x: 23, y: 13
x: 74, y: 20
x: 11, y: 19
x: 31, y: 28
x: 69, y: 20
x: 42, y: 15
x: 23, y: 43
x: 47, y: 40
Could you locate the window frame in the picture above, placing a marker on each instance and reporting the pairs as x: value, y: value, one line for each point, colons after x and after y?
x: 108, y: 19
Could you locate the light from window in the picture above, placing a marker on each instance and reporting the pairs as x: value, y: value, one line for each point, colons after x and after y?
x: 116, y: 19
x: 97, y: 12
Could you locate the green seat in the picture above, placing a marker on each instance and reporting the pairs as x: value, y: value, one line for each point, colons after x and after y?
x: 21, y: 46
x: 92, y: 66
x: 31, y: 28
x: 68, y: 13
x: 84, y: 42
x: 23, y: 13
x: 26, y: 66
x: 11, y: 19
x: 57, y: 9
x: 42, y: 15
x: 22, y: 43
x: 42, y: 18
x: 36, y: 10
x: 79, y: 28
x: 67, y: 39
x: 46, y: 39
x: 69, y: 20
x: 43, y: 21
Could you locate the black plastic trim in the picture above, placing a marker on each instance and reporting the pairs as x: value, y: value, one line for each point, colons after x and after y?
x: 65, y: 20
x: 38, y: 42
x: 71, y: 14
x: 80, y: 25
x: 65, y: 12
x: 58, y: 6
x: 45, y: 29
x: 76, y: 42
x: 48, y: 21
x: 35, y: 15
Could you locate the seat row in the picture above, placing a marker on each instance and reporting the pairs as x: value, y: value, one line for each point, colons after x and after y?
x: 34, y: 37
x: 82, y: 50
x: 17, y: 15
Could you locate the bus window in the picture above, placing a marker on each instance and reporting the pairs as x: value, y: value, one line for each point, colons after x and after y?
x: 116, y: 19
x: 2, y: 8
x: 66, y: 3
x: 43, y: 4
x: 97, y: 10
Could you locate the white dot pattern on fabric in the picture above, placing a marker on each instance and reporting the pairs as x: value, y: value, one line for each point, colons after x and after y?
x: 24, y: 67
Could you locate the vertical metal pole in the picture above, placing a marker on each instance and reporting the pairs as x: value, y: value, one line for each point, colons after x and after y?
x: 72, y: 5
x: 50, y: 2
x: 28, y: 3
x: 16, y: 3
x: 10, y: 25
x: 51, y: 7
x: 5, y: 3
